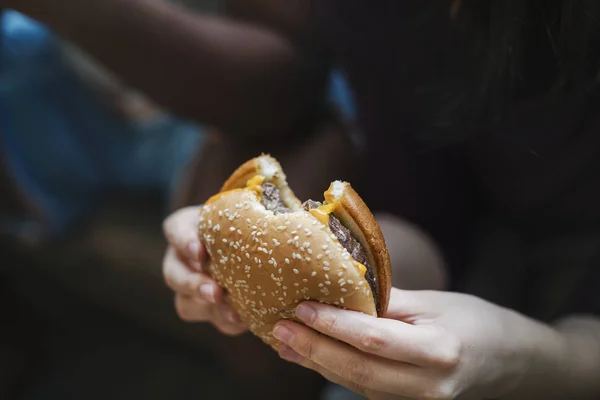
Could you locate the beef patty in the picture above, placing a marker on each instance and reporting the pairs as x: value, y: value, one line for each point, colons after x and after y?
x: 353, y: 246
x: 271, y: 199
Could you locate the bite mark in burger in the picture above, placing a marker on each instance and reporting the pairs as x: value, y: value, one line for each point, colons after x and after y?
x: 271, y: 252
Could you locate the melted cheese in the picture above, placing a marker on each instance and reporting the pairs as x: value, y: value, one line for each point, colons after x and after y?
x: 254, y: 184
x: 322, y: 212
x: 361, y: 268
x: 331, y: 205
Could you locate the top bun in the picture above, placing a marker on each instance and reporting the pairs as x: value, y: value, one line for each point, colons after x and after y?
x: 269, y: 261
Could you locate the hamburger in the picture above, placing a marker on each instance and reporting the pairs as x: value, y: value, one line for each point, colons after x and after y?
x: 270, y: 251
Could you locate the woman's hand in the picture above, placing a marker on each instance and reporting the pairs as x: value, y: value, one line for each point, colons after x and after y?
x: 198, y: 298
x: 431, y: 345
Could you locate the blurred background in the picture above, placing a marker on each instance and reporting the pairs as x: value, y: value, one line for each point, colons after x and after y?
x: 89, y: 168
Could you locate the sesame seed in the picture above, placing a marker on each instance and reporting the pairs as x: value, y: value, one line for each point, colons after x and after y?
x: 342, y: 300
x: 224, y: 240
x: 296, y: 271
x: 350, y: 282
x: 340, y: 274
x: 326, y: 269
x: 326, y: 263
x: 232, y: 229
x: 314, y: 273
x: 327, y: 283
x: 324, y: 247
x: 343, y: 290
x: 319, y: 256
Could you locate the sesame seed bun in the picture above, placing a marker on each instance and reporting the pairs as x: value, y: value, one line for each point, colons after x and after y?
x: 270, y: 262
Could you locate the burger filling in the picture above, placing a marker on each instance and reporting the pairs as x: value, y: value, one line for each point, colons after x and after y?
x: 353, y: 246
x: 271, y: 199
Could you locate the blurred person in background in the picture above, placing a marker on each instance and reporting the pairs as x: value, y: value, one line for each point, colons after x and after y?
x: 72, y: 135
x: 480, y: 119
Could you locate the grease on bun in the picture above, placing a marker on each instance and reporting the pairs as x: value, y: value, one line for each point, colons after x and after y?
x: 270, y: 251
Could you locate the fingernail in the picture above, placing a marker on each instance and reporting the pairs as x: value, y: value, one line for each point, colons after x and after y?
x: 288, y: 354
x: 283, y: 334
x: 194, y: 249
x: 306, y: 313
x: 207, y: 291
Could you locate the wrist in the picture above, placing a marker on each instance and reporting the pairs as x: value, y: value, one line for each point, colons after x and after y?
x: 544, y: 349
x: 558, y: 362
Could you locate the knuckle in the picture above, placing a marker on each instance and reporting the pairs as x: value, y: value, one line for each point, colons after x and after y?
x: 169, y: 223
x: 189, y: 311
x: 328, y: 321
x: 449, y: 353
x: 441, y: 391
x: 182, y: 309
x: 307, y: 347
x: 357, y: 371
x: 372, y: 341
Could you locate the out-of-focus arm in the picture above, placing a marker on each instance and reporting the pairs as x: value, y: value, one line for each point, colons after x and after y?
x: 244, y: 76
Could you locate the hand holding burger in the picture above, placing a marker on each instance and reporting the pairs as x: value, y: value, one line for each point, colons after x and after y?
x: 270, y: 251
x: 198, y: 298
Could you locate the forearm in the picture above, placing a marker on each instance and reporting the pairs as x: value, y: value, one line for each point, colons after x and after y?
x: 244, y: 79
x: 565, y: 363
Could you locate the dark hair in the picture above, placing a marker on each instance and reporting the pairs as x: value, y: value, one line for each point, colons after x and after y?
x: 516, y: 50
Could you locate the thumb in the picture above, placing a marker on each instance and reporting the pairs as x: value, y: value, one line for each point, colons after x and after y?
x: 408, y: 305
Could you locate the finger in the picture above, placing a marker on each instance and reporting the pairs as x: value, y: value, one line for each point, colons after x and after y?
x: 184, y: 281
x: 181, y: 231
x: 227, y: 321
x: 192, y: 309
x: 407, y: 306
x: 425, y: 346
x: 352, y: 365
x: 289, y: 354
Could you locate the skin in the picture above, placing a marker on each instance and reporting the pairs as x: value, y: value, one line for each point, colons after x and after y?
x: 432, y: 344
